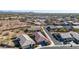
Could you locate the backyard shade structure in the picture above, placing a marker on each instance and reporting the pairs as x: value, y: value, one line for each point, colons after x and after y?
x: 41, y: 39
x: 24, y: 41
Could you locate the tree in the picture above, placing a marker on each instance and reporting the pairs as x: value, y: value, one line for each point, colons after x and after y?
x: 26, y: 30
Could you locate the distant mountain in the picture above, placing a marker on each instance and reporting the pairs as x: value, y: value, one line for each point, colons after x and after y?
x: 36, y: 13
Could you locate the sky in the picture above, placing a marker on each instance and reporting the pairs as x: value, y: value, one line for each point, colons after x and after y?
x: 59, y: 6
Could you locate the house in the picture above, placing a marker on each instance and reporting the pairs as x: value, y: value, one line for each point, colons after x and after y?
x: 34, y: 28
x: 41, y: 39
x: 67, y: 38
x: 53, y: 27
x: 65, y: 35
x: 75, y: 36
x: 24, y: 41
x: 50, y: 27
x: 37, y: 23
x: 75, y: 27
x: 50, y: 37
x: 68, y: 26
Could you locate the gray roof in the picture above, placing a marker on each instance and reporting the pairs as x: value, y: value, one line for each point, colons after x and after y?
x: 65, y: 35
x: 75, y: 35
x: 24, y: 41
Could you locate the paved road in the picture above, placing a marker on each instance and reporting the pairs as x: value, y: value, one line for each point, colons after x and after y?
x: 61, y: 47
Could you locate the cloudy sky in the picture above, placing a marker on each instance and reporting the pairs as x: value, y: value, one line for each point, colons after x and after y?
x: 41, y: 5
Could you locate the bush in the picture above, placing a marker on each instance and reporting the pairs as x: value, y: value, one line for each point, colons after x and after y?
x: 76, y: 30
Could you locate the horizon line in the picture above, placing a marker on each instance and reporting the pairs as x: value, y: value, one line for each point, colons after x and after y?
x: 43, y: 11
